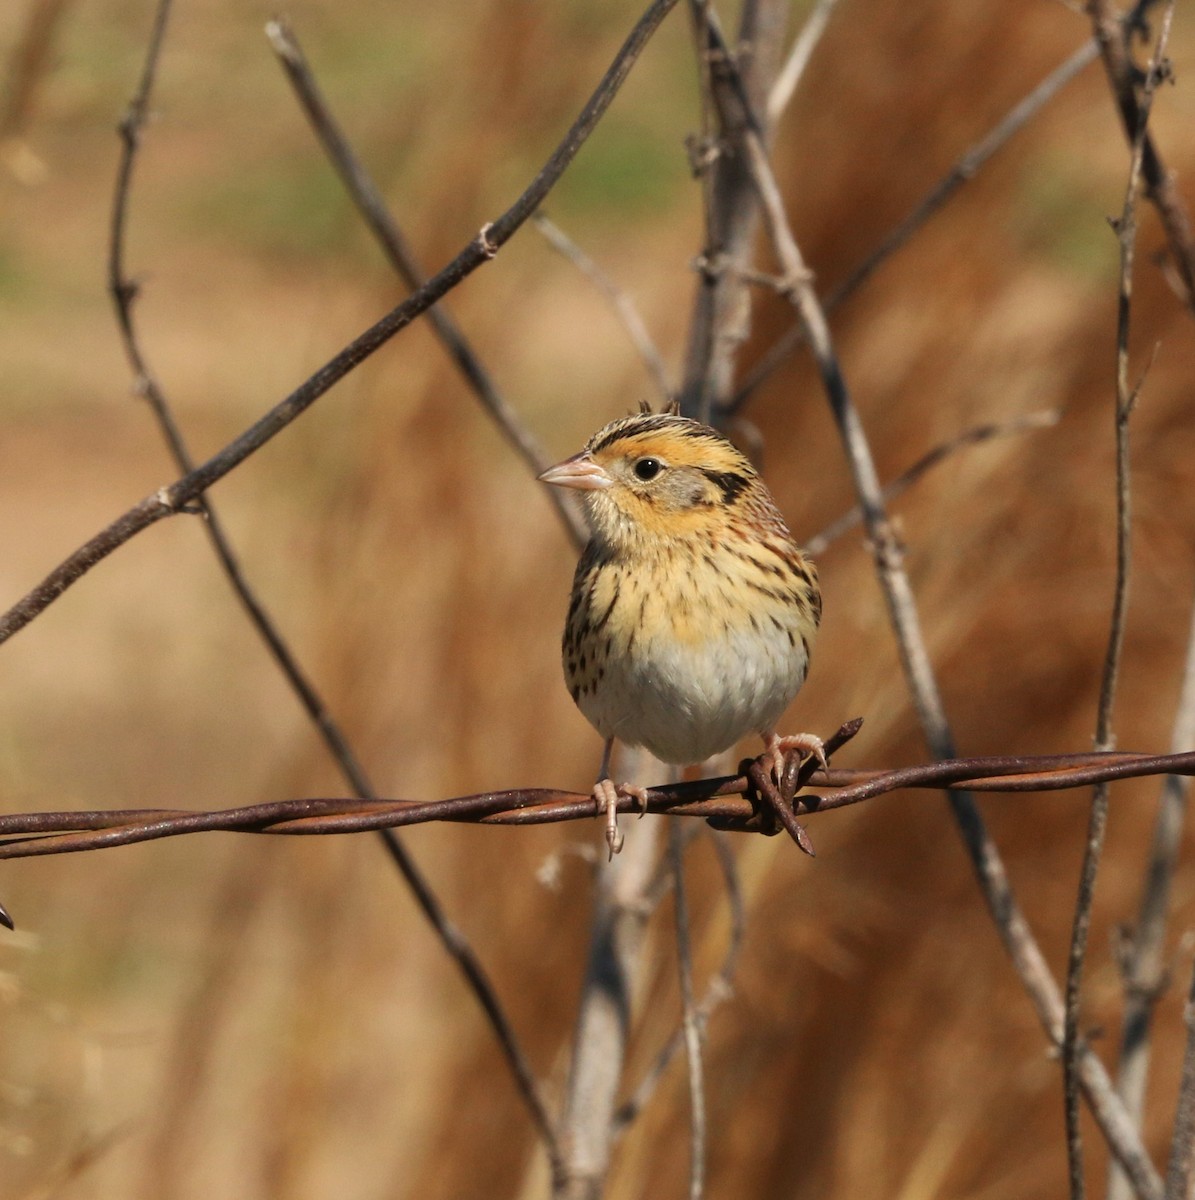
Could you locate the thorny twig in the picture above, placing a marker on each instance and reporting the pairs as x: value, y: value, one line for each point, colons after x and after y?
x: 368, y: 198
x: 624, y: 308
x: 492, y: 236
x: 1125, y: 400
x: 124, y: 294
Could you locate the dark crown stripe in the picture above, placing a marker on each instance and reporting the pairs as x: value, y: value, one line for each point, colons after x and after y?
x: 654, y: 423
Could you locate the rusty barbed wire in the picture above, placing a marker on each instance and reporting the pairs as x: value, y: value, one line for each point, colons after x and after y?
x: 730, y: 802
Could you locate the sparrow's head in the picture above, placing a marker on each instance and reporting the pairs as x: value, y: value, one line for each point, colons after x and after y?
x: 663, y: 476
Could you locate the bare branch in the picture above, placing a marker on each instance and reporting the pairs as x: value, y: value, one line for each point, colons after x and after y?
x: 124, y: 293
x: 623, y: 305
x: 717, y: 990
x: 1142, y: 961
x: 1098, y: 818
x: 690, y: 1023
x: 368, y: 198
x: 1182, y: 1142
x: 785, y: 87
x: 1113, y: 32
x: 734, y: 85
x: 932, y: 458
x: 604, y: 1019
x: 935, y: 199
x: 1123, y: 1139
x: 489, y: 240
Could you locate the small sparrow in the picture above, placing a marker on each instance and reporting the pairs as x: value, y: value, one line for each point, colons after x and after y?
x: 692, y: 609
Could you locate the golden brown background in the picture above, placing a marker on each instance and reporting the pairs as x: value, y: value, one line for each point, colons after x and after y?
x: 219, y: 1016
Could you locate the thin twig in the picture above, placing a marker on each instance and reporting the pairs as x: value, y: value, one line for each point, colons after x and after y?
x: 787, y: 80
x: 1113, y: 31
x: 366, y: 195
x: 603, y: 1027
x: 1143, y: 963
x: 690, y: 1023
x: 623, y: 306
x: 932, y: 458
x: 734, y: 86
x: 124, y: 293
x: 704, y: 152
x: 991, y: 875
x: 1182, y: 1142
x: 481, y: 249
x: 717, y: 990
x: 1097, y: 825
x: 932, y: 202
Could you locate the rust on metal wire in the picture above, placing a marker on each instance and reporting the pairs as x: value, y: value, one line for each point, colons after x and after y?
x: 750, y: 801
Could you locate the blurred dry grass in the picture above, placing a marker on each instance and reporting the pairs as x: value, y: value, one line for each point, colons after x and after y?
x: 271, y: 1018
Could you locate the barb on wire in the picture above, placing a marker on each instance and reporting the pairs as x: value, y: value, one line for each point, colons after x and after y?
x: 124, y: 294
x: 729, y: 802
x: 492, y: 236
x: 1097, y: 826
x: 623, y: 306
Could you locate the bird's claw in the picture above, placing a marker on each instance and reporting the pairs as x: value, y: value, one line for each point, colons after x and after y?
x: 606, y: 796
x: 808, y: 743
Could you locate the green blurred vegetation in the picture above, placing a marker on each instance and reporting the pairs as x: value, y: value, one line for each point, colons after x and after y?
x: 1054, y: 217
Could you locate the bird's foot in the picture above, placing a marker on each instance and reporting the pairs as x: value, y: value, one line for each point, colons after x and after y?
x: 605, y: 797
x: 777, y: 747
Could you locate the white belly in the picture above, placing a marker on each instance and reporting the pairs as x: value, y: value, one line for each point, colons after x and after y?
x: 686, y: 702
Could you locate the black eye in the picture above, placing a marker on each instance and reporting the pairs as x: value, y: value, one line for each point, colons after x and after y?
x: 648, y: 468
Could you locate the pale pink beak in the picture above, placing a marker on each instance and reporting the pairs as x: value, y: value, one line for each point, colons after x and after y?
x: 579, y: 472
